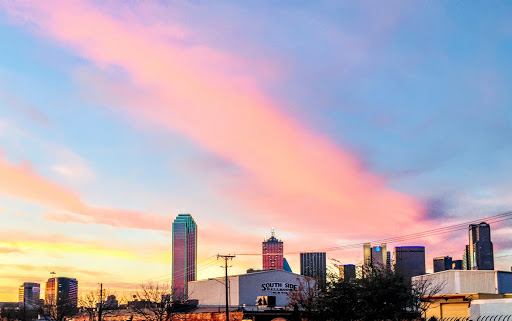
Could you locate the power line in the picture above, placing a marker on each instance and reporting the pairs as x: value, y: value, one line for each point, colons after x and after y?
x: 442, y: 230
x: 199, y: 268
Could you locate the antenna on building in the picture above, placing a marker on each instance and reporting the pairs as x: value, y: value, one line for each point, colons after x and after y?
x: 273, y: 232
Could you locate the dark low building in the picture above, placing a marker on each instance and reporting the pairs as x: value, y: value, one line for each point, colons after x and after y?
x: 442, y: 263
x: 347, y: 271
x: 457, y: 265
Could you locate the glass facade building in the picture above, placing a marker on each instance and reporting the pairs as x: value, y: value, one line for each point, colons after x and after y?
x: 29, y: 293
x: 61, y: 291
x: 184, y: 255
x: 272, y: 253
x: 481, y: 254
x: 314, y: 265
x: 409, y: 260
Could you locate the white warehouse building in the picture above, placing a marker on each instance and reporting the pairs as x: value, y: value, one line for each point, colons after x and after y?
x: 244, y: 289
x: 470, y: 281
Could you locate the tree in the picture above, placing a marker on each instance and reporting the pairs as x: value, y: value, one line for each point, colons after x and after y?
x: 94, y: 303
x: 154, y: 302
x: 383, y: 295
x: 424, y: 289
x: 306, y: 298
x: 340, y: 300
x: 379, y: 295
x: 57, y: 311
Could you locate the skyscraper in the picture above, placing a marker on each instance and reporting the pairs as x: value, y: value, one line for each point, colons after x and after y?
x: 481, y: 254
x: 61, y: 291
x: 272, y: 253
x: 184, y: 255
x: 314, y: 265
x: 377, y: 256
x: 29, y: 293
x: 409, y: 260
x: 442, y: 263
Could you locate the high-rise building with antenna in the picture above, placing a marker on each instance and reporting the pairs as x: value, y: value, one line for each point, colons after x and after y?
x: 272, y: 253
x: 184, y: 255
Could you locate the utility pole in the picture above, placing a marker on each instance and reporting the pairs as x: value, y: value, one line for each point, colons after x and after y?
x: 226, y: 258
x: 100, y: 309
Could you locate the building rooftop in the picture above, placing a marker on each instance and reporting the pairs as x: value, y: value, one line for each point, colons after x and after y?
x: 252, y: 273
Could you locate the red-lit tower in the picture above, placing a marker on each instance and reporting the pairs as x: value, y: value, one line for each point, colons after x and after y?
x: 272, y: 253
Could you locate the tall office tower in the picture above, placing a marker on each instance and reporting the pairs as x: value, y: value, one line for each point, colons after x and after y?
x: 184, y: 255
x: 314, y: 265
x: 457, y: 265
x: 466, y: 264
x: 272, y: 253
x: 377, y: 256
x: 481, y: 255
x: 29, y: 293
x: 61, y: 291
x: 442, y: 263
x: 347, y: 271
x: 409, y: 260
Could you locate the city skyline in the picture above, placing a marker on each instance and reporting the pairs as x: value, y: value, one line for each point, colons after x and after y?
x: 406, y: 260
x: 335, y: 123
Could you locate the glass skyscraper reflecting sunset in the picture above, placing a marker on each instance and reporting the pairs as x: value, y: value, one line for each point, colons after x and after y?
x: 184, y: 255
x: 61, y: 291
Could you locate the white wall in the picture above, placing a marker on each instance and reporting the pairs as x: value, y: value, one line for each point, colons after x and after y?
x: 462, y: 281
x: 494, y: 307
x: 212, y: 292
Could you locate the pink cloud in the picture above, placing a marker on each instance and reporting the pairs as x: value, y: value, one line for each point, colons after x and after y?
x: 22, y: 182
x: 294, y: 177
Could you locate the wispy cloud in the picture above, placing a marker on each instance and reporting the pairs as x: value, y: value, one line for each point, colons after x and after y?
x: 23, y: 182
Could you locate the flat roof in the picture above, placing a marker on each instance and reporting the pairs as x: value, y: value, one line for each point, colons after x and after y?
x: 463, y: 271
x: 252, y: 273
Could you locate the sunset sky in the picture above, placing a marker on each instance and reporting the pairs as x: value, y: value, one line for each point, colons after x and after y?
x: 334, y: 122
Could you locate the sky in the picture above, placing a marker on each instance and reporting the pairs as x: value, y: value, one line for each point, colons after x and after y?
x: 334, y: 122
